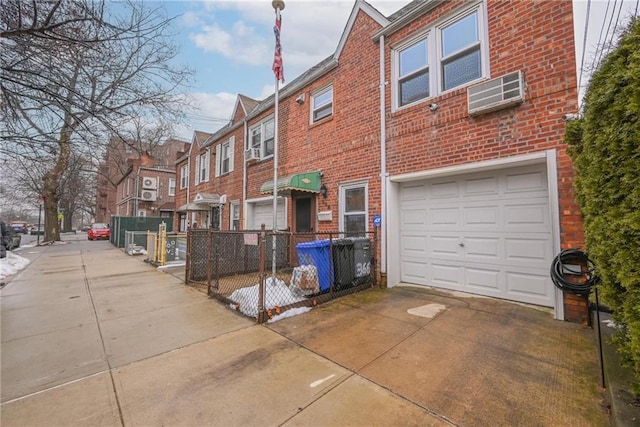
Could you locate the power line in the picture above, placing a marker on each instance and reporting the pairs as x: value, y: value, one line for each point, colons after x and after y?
x: 584, y: 43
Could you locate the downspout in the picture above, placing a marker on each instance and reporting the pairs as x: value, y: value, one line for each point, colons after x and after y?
x: 383, y: 167
x: 135, y: 192
x: 244, y: 174
x: 189, y: 184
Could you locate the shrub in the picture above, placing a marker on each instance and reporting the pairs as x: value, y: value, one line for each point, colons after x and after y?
x: 605, y: 146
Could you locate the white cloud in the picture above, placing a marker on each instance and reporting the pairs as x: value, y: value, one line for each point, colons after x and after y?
x: 211, y: 111
x: 311, y: 31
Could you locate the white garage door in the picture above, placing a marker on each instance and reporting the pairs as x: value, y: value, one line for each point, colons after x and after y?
x: 263, y: 214
x: 486, y: 233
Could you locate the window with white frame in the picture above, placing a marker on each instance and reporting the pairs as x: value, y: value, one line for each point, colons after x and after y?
x: 262, y: 137
x: 413, y: 72
x: 224, y: 157
x: 172, y: 187
x: 460, y: 48
x: 202, y: 167
x: 216, y: 217
x: 234, y: 216
x: 447, y: 55
x: 322, y: 104
x: 184, y: 176
x: 353, y: 208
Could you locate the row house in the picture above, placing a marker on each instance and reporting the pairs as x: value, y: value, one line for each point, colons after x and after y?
x: 443, y: 121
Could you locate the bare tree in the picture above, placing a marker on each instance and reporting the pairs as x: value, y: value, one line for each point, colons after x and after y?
x: 74, y: 72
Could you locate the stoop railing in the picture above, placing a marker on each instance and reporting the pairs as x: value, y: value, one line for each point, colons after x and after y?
x: 236, y: 267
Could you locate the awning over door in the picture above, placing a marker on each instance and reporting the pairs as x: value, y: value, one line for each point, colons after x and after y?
x: 309, y: 182
x: 201, y: 202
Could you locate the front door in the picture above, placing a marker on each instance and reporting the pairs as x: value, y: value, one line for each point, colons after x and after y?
x: 303, y: 215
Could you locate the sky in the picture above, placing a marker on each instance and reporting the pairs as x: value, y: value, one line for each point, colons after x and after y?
x: 230, y: 44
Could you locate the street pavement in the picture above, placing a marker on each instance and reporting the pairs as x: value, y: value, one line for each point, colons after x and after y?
x: 92, y: 337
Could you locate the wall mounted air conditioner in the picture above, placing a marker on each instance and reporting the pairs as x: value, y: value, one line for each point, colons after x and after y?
x: 496, y: 94
x: 149, y: 183
x: 149, y: 195
x: 252, y: 155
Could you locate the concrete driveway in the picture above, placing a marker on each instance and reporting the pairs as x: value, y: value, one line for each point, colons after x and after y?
x: 91, y: 336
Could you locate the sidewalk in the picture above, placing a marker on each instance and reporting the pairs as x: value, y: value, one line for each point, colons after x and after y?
x: 91, y: 336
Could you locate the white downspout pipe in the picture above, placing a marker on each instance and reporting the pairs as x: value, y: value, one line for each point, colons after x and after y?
x: 244, y: 174
x: 383, y: 163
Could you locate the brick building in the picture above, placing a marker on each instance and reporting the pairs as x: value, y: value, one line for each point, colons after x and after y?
x: 445, y: 118
x: 119, y: 176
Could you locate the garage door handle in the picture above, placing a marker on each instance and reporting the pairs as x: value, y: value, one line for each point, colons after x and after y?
x: 461, y: 245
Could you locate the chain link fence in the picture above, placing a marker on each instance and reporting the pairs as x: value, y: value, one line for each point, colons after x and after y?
x: 238, y: 268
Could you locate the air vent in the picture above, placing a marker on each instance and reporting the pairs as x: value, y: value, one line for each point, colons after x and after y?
x: 496, y: 94
x: 148, y: 195
x: 252, y: 155
x: 149, y: 183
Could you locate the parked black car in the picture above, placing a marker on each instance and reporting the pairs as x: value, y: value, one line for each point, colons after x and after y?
x: 9, y: 239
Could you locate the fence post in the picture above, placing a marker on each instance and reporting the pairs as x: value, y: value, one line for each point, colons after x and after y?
x: 209, y: 259
x: 163, y: 244
x: 262, y: 247
x: 187, y: 261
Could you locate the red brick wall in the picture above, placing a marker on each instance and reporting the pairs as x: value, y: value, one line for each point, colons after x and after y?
x: 345, y: 146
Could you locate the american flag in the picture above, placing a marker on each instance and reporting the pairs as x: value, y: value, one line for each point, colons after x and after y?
x: 278, y: 68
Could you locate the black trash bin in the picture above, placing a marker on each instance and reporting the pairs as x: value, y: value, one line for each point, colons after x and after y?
x: 343, y: 263
x: 361, y: 260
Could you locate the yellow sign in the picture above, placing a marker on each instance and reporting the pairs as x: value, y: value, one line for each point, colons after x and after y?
x: 60, y: 216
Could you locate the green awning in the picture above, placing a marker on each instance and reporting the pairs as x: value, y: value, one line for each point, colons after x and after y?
x: 309, y: 181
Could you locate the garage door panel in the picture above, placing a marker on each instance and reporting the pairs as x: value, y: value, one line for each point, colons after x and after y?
x: 444, y: 216
x: 501, y: 218
x: 487, y: 215
x: 519, y: 182
x: 482, y: 249
x: 484, y: 280
x: 443, y: 190
x: 412, y: 218
x: 414, y: 246
x: 446, y: 275
x: 413, y: 192
x: 415, y: 272
x: 481, y: 186
x: 527, y: 250
x: 444, y: 246
x: 527, y: 214
x: 530, y: 288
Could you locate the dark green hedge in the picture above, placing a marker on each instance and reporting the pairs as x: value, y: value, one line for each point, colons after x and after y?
x: 605, y: 146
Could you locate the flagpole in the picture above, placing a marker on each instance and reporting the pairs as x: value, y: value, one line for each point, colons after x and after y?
x: 278, y: 5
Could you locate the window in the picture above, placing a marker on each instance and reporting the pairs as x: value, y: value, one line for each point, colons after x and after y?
x: 445, y: 56
x: 235, y: 216
x: 262, y: 138
x: 461, y: 57
x: 224, y: 157
x: 353, y: 208
x: 322, y: 104
x: 413, y: 75
x: 184, y: 176
x: 202, y: 167
x: 172, y: 187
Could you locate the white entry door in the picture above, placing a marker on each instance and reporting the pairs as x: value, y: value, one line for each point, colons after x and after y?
x: 486, y: 233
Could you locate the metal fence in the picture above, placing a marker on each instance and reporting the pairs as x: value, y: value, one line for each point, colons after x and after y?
x: 310, y: 268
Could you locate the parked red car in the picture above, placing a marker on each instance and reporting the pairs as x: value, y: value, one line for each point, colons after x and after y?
x: 99, y: 230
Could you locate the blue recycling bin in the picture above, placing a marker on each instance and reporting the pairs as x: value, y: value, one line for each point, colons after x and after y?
x: 317, y: 253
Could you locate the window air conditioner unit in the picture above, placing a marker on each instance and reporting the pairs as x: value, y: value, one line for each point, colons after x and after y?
x: 496, y: 94
x: 148, y: 195
x: 252, y: 155
x: 149, y: 183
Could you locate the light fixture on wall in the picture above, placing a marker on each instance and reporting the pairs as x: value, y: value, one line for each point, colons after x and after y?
x: 433, y: 106
x: 323, y: 191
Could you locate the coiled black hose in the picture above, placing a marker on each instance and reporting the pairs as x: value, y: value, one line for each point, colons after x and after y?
x: 573, y: 272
